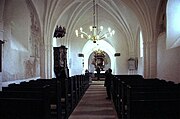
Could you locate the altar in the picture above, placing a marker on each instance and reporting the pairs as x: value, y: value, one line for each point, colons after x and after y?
x: 102, y: 74
x: 99, y: 60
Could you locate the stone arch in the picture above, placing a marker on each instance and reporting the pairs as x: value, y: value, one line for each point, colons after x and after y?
x: 89, y: 47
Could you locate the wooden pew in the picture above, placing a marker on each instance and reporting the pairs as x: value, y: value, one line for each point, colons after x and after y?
x: 123, y: 103
x: 118, y: 91
x: 25, y: 105
x: 37, y: 85
x: 64, y: 94
x: 71, y: 99
x: 159, y: 104
x: 75, y: 91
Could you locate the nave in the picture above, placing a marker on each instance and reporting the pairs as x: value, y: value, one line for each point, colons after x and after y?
x: 94, y: 104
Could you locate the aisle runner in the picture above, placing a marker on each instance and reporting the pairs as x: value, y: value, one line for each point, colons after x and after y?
x: 94, y: 105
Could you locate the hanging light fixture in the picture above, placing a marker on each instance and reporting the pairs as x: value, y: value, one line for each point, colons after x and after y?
x: 95, y: 32
x: 59, y: 32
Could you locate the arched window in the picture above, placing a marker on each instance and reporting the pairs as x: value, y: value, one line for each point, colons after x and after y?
x: 173, y: 25
x: 141, y: 44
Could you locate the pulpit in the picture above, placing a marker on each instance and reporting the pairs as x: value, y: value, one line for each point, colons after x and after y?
x: 62, y: 73
x: 60, y: 62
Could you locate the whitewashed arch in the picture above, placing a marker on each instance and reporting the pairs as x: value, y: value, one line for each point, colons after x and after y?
x: 89, y: 47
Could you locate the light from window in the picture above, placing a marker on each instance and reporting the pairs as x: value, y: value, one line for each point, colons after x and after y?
x: 141, y: 44
x: 173, y: 25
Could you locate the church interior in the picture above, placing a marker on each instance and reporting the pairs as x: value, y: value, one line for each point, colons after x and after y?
x: 73, y: 43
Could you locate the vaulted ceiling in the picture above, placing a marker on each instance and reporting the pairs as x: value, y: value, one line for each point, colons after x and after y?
x: 127, y: 17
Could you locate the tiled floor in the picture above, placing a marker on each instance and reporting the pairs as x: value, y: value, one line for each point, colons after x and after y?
x: 94, y: 104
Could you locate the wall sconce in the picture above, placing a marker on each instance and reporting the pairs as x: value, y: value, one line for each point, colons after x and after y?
x: 117, y: 54
x: 80, y: 55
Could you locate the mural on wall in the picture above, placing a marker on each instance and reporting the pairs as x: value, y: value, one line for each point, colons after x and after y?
x: 23, y: 42
x: 32, y: 65
x: 21, y: 57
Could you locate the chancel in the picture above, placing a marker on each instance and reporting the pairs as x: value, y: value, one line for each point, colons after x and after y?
x: 52, y: 50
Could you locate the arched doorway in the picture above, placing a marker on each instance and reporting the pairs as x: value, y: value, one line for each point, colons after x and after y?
x: 89, y: 47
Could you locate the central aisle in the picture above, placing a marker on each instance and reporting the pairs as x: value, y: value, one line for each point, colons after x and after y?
x: 94, y: 104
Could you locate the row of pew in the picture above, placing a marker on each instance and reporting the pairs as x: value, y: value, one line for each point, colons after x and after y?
x: 42, y: 98
x: 137, y: 98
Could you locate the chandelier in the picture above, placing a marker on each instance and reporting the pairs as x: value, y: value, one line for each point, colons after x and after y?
x: 95, y: 33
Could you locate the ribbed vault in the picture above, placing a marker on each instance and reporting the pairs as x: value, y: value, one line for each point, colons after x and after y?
x: 127, y: 17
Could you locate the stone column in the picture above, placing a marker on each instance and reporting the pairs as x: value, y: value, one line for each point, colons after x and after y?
x: 42, y: 61
x: 145, y: 49
x: 153, y: 59
x: 150, y: 59
x: 46, y: 59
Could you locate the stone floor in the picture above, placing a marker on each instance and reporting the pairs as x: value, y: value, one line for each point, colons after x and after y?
x: 94, y: 104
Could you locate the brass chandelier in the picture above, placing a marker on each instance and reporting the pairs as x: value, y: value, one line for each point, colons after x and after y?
x: 95, y: 33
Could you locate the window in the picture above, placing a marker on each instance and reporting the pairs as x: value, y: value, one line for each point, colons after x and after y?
x: 141, y: 44
x: 173, y: 25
